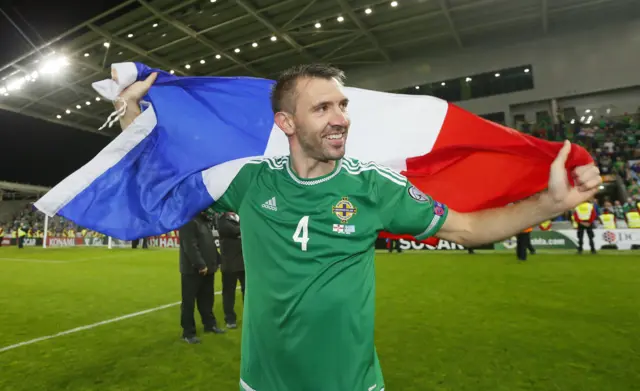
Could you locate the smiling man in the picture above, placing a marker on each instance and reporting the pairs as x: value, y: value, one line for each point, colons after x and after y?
x: 309, y: 224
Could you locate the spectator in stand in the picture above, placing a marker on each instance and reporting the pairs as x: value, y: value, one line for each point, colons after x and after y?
x: 618, y: 210
x: 609, y: 145
x: 585, y: 215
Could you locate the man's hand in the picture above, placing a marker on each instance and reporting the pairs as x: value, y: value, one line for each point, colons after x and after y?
x: 203, y: 271
x: 137, y: 90
x: 132, y: 96
x: 563, y: 196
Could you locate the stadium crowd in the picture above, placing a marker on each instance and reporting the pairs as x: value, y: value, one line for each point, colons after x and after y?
x: 613, y: 144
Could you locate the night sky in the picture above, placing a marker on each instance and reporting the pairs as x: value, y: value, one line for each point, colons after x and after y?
x: 34, y: 151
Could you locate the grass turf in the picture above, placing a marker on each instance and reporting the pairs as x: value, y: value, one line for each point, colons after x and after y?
x: 445, y: 321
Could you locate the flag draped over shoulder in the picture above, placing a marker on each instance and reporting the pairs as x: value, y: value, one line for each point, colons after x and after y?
x: 195, y: 133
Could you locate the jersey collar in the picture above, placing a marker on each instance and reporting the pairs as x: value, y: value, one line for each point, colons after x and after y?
x: 312, y: 181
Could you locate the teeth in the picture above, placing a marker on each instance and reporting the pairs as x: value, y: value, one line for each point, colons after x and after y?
x: 334, y: 136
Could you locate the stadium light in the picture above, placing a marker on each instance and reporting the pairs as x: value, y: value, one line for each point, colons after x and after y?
x: 155, y: 25
x: 86, y: 54
x: 340, y: 19
x: 582, y: 118
x: 130, y: 36
x: 106, y: 44
x: 497, y: 75
x: 58, y: 116
x: 172, y: 71
x: 15, y: 84
x: 274, y: 38
x: 368, y: 11
x: 188, y: 66
x: 202, y: 61
x: 218, y: 56
x: 468, y: 79
x: 255, y: 44
x: 443, y: 84
x: 54, y: 65
x: 318, y: 25
x: 526, y: 70
x: 573, y: 121
x: 237, y: 50
x: 394, y: 3
x: 587, y: 111
x: 417, y: 87
x: 67, y: 111
x: 97, y: 99
x: 87, y: 103
x: 78, y: 107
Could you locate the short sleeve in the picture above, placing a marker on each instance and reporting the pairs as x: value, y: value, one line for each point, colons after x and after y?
x: 405, y: 210
x: 231, y: 199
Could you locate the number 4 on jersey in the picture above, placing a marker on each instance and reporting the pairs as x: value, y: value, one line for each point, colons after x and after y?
x: 302, y: 233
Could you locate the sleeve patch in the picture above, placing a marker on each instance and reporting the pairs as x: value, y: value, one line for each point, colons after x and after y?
x: 418, y: 195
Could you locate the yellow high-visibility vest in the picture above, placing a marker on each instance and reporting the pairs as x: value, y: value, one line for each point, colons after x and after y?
x: 633, y: 219
x: 545, y: 225
x: 608, y: 221
x: 584, y: 211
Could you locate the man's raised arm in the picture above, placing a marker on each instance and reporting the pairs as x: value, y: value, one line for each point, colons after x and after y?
x: 491, y: 225
x: 132, y: 96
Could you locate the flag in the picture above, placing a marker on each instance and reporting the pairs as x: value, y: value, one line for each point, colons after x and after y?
x: 195, y: 133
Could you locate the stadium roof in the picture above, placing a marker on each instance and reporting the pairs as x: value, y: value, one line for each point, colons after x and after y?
x: 260, y: 38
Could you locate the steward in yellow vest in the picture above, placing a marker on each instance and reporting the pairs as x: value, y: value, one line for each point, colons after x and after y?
x: 633, y: 219
x: 585, y: 215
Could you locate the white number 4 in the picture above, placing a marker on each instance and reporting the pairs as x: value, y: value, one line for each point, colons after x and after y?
x: 302, y: 233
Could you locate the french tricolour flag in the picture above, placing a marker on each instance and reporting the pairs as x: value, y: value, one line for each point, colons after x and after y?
x: 195, y: 133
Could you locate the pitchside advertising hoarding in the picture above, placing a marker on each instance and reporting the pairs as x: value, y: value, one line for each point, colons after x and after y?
x: 621, y: 239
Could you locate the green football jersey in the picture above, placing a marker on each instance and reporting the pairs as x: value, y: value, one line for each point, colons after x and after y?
x: 309, y: 250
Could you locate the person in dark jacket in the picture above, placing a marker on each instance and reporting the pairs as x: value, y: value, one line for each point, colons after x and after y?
x: 232, y: 264
x: 198, y: 263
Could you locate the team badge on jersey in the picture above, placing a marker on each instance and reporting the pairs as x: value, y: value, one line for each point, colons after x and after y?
x: 438, y: 209
x: 344, y: 210
x: 418, y: 195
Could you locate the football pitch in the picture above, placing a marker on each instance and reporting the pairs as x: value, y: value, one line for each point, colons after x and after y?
x: 98, y: 319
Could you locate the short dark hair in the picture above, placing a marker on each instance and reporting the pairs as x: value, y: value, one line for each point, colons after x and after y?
x: 283, y: 91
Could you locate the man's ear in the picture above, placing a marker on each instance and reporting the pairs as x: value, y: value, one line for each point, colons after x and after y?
x: 285, y: 122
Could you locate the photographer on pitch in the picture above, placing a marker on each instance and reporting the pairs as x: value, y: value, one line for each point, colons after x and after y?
x: 232, y: 268
x: 198, y: 264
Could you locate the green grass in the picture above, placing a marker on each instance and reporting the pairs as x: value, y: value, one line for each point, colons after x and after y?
x: 445, y: 321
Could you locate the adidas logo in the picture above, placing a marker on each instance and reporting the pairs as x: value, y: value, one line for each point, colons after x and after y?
x: 271, y: 204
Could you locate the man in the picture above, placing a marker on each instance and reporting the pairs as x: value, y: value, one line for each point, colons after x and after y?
x: 310, y: 221
x: 523, y: 243
x: 394, y: 244
x: 232, y: 265
x: 585, y: 215
x: 198, y: 263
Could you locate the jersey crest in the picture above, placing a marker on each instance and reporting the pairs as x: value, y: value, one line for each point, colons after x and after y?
x: 344, y: 210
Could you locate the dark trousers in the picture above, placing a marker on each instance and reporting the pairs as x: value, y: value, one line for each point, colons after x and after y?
x: 229, y: 284
x: 523, y: 243
x: 394, y: 244
x: 196, y: 290
x: 20, y: 242
x: 135, y: 243
x: 589, y: 230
